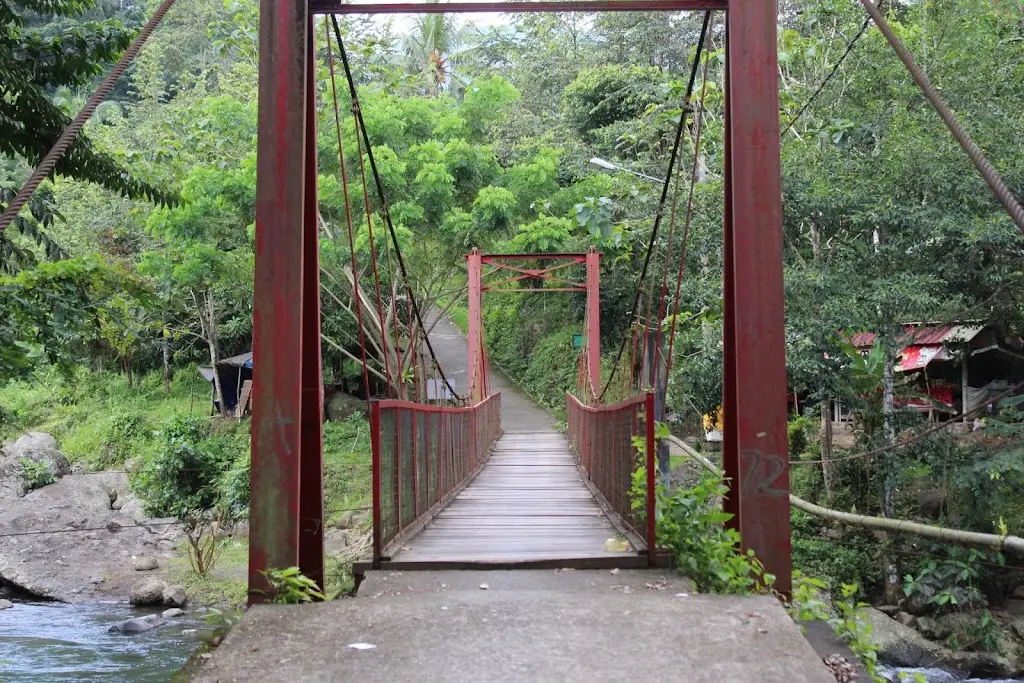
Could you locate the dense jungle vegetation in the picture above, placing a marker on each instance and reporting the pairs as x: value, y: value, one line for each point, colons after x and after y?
x: 134, y: 263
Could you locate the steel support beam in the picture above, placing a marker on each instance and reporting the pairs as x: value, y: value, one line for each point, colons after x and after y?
x: 594, y: 320
x: 755, y: 310
x: 277, y: 319
x: 474, y: 341
x: 340, y: 7
x: 311, y: 465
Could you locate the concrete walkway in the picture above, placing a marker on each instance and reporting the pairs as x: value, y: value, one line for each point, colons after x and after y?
x: 529, y: 626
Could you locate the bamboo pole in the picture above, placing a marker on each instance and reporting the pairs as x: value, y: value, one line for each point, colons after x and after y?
x: 1014, y: 544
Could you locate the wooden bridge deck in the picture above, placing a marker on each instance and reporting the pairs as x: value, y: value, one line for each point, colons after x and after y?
x: 528, y: 505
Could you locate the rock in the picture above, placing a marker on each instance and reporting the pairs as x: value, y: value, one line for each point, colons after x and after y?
x: 6, y: 604
x: 360, y: 519
x: 902, y: 646
x: 76, y: 501
x: 96, y: 580
x: 933, y: 629
x: 174, y: 596
x: 335, y: 541
x: 40, y: 447
x: 899, y: 645
x: 341, y: 405
x: 916, y: 604
x: 148, y: 591
x: 346, y: 519
x: 1018, y: 593
x: 138, y: 624
x: 1015, y: 608
x: 889, y: 610
x: 1018, y: 627
x: 189, y: 631
x: 35, y: 446
x: 145, y: 564
x: 906, y: 618
x: 173, y: 612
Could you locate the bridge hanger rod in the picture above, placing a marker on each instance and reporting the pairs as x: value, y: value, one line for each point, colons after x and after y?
x: 339, y: 7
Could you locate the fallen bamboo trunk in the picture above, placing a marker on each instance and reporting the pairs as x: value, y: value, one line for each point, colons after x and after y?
x: 1013, y: 544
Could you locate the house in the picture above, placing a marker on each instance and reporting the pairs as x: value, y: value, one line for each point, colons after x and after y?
x: 952, y: 368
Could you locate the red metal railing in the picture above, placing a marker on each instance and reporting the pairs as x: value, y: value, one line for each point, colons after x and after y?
x: 421, y: 455
x: 603, y: 439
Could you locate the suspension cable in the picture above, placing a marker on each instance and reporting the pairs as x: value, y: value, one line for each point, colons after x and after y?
x: 348, y: 215
x: 985, y: 168
x: 383, y: 200
x: 664, y: 195
x: 70, y: 133
x: 835, y: 69
x: 689, y: 216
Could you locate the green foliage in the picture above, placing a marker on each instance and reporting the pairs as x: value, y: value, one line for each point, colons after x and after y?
x: 951, y: 584
x: 34, y: 62
x: 808, y: 604
x: 36, y: 474
x: 181, y: 477
x: 799, y: 430
x: 291, y: 587
x: 692, y: 526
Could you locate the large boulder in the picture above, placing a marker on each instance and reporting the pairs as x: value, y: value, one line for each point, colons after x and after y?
x: 89, y: 557
x: 37, y: 447
x: 149, y: 591
x: 902, y: 646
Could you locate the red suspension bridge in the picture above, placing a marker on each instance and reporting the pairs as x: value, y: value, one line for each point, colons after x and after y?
x: 461, y: 484
x: 455, y: 482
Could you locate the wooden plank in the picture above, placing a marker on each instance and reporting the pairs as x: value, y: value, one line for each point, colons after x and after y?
x: 528, y: 506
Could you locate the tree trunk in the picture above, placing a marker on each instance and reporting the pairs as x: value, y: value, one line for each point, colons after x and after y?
x: 208, y: 318
x: 892, y: 592
x: 827, y: 466
x: 165, y: 348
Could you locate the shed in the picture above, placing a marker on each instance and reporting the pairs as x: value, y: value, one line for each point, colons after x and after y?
x: 233, y: 373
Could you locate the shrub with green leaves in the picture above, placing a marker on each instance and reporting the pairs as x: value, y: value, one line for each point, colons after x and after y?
x: 37, y: 474
x: 183, y: 474
x: 692, y: 526
x: 291, y: 587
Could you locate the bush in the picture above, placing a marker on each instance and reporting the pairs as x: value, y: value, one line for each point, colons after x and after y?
x: 692, y: 526
x: 37, y: 474
x: 182, y: 476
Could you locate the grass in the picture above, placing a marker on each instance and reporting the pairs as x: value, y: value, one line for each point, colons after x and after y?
x: 95, y: 416
x: 227, y: 584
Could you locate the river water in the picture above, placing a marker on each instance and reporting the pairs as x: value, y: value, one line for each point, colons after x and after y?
x: 937, y: 676
x: 49, y: 642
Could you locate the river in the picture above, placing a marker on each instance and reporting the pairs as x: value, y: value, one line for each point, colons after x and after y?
x: 45, y: 642
x: 938, y: 676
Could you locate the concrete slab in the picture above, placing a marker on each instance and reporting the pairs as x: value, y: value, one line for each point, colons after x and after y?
x: 531, y: 626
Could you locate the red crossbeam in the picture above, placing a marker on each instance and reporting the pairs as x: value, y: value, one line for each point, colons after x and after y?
x: 532, y: 273
x: 339, y: 7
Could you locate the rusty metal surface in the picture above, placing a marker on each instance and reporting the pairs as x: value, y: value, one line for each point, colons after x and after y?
x: 339, y: 7
x: 311, y: 464
x: 756, y: 307
x: 421, y: 454
x: 277, y: 320
x: 529, y: 504
x: 602, y: 437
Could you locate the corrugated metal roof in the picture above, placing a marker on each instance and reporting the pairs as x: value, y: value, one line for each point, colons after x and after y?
x: 926, y: 335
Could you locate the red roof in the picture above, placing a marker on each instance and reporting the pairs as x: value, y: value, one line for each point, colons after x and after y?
x: 927, y: 335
